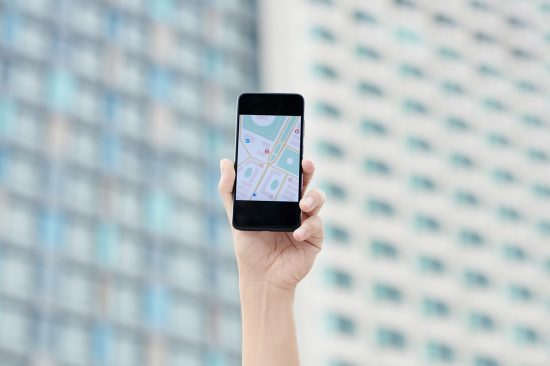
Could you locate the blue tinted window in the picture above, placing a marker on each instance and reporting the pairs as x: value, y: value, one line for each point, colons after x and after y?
x: 383, y: 248
x: 377, y: 166
x: 427, y: 223
x: 51, y: 227
x: 452, y: 87
x: 156, y: 306
x: 457, y: 123
x: 4, y: 163
x: 8, y: 113
x: 387, y: 292
x: 484, y: 37
x: 485, y: 361
x: 326, y: 148
x: 498, y: 139
x: 161, y: 9
x: 544, y: 226
x: 327, y: 110
x: 380, y: 207
x: 342, y: 324
x: 481, y: 321
x: 435, y: 307
x: 503, y: 176
x: 431, y: 264
x: 537, y: 155
x: 526, y: 335
x: 323, y: 34
x: 541, y: 190
x: 102, y: 337
x: 9, y: 26
x: 160, y: 83
x: 390, y: 338
x: 532, y: 120
x: 365, y: 52
x: 337, y: 233
x: 474, y: 278
x: 509, y: 213
x: 466, y: 198
x: 106, y: 241
x: 438, y: 351
x: 109, y: 150
x: 158, y: 210
x: 461, y: 160
x: 444, y: 19
x: 373, y: 127
x: 471, y: 237
x: 514, y: 253
x: 414, y: 106
x: 448, y: 53
x: 408, y: 35
x: 368, y: 88
x: 527, y: 86
x: 488, y: 70
x: 416, y: 143
x: 520, y: 292
x: 334, y: 190
x: 60, y: 89
x: 325, y: 71
x: 338, y: 277
x: 412, y: 70
x: 494, y: 104
x: 363, y: 17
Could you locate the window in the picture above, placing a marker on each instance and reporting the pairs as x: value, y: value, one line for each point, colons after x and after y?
x: 336, y: 277
x: 520, y: 292
x: 8, y: 114
x: 368, y: 53
x: 461, y: 160
x: 466, y: 198
x: 18, y: 276
x: 484, y: 37
x: 541, y: 190
x: 327, y: 110
x: 470, y: 237
x: 435, y: 307
x: 50, y: 228
x: 448, y: 53
x: 325, y: 71
x: 158, y: 210
x: 481, y: 321
x: 186, y: 317
x: 160, y: 83
x: 106, y: 243
x: 501, y: 175
x: 488, y: 70
x: 527, y: 86
x: 414, y: 107
x: 457, y: 123
x: 431, y: 264
x: 514, y: 252
x: 363, y: 17
x: 61, y: 87
x: 426, y: 223
x: 323, y: 34
x: 509, y: 213
x: 437, y: 351
x: 532, y: 120
x: 390, y: 338
x: 102, y: 337
x: 340, y: 363
x: 383, y: 248
x: 161, y: 9
x: 387, y: 293
x: 323, y: 2
x: 485, y: 361
x: 328, y: 149
x: 416, y: 143
x: 526, y: 335
x: 380, y: 207
x: 494, y: 104
x: 377, y: 167
x: 498, y: 139
x: 341, y: 324
x: 15, y: 332
x: 334, y: 190
x: 538, y: 155
x: 444, y: 19
x: 73, y: 341
x: 407, y: 35
x: 367, y: 88
x: 373, y: 127
x: 412, y: 70
x: 521, y: 53
x: 156, y: 300
x: 475, y: 278
x: 337, y: 233
x: 452, y: 87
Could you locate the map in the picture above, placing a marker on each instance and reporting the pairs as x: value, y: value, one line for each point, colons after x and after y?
x: 268, y: 158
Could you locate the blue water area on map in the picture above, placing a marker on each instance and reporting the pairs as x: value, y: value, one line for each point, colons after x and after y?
x: 289, y: 161
x: 270, y: 131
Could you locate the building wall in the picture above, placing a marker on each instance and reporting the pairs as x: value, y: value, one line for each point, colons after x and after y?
x: 114, y: 248
x: 429, y: 125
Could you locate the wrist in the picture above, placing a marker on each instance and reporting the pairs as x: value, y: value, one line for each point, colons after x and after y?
x: 263, y: 288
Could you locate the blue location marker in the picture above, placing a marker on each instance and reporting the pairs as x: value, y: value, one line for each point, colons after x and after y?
x: 247, y: 141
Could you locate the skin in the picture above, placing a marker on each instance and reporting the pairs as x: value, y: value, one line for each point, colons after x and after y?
x: 270, y: 266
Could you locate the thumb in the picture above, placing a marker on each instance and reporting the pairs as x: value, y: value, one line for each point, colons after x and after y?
x: 227, y: 180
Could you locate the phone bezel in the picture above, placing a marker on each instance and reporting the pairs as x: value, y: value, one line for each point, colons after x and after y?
x: 276, y: 216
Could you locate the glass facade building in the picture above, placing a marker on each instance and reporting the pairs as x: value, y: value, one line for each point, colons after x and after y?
x: 429, y: 124
x: 114, y: 249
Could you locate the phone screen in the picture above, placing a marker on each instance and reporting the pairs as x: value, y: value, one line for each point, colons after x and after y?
x: 268, y: 165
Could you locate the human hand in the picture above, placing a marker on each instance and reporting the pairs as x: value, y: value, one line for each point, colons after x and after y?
x: 281, y: 259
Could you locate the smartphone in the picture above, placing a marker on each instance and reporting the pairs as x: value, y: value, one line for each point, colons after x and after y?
x: 268, y: 162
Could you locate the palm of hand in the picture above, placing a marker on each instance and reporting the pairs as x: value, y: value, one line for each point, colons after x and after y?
x: 274, y: 256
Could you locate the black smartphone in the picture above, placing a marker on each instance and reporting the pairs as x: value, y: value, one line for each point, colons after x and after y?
x: 268, y: 162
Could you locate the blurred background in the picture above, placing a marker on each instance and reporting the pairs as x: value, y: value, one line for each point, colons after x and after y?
x: 428, y: 122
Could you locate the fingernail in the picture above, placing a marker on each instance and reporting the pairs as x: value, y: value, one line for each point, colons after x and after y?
x: 308, y: 202
x: 300, y: 232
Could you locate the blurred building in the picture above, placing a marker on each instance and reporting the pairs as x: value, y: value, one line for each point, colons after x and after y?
x: 114, y: 249
x: 429, y: 124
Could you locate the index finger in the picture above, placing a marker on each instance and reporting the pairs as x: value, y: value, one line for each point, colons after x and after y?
x: 308, y: 168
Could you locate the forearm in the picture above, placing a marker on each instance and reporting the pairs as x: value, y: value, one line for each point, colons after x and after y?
x: 269, y: 335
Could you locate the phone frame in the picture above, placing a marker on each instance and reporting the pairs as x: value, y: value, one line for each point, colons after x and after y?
x: 276, y: 215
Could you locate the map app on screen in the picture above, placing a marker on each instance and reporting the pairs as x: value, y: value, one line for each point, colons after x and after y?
x: 268, y: 158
